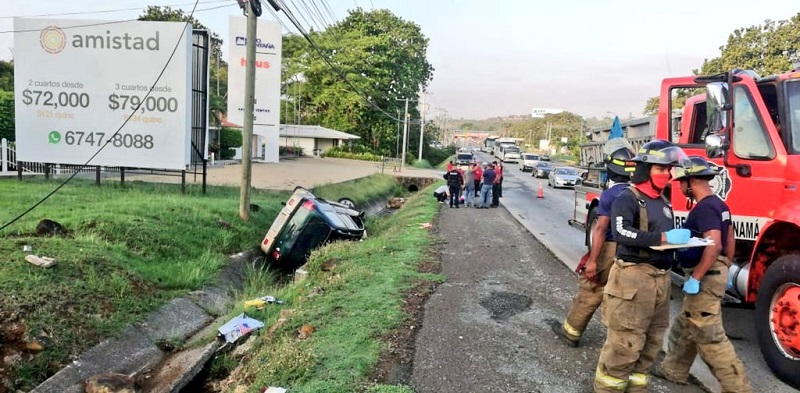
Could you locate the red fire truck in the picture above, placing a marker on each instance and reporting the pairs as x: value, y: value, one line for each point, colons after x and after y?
x: 749, y: 127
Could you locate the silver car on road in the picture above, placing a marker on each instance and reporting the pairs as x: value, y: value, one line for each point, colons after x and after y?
x: 563, y: 176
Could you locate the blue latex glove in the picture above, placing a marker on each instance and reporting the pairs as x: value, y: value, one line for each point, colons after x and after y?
x: 730, y: 282
x: 678, y: 236
x: 691, y: 286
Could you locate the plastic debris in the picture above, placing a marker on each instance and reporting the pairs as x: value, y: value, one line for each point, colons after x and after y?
x: 40, y: 261
x: 262, y: 301
x: 239, y: 326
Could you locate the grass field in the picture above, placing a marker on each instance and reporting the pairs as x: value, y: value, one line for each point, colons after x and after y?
x: 129, y: 250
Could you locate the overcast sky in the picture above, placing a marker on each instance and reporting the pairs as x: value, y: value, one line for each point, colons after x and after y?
x: 497, y: 58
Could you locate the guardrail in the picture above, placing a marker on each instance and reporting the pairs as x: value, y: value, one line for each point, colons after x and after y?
x: 390, y: 162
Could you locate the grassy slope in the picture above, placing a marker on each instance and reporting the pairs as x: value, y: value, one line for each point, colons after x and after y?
x: 130, y: 250
x: 355, y: 303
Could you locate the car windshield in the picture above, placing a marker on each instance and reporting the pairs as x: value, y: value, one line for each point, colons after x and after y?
x: 566, y: 171
x: 532, y: 157
x: 465, y: 157
x: 512, y: 149
x: 545, y: 165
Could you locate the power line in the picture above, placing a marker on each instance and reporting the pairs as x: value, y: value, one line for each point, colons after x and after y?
x: 304, y: 18
x: 107, y: 10
x: 314, y: 15
x: 297, y: 24
x: 110, y: 22
x: 314, y: 5
x: 329, y: 10
x: 134, y: 111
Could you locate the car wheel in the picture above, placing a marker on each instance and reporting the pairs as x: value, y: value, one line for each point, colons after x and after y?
x: 348, y: 202
x: 777, y: 315
x: 591, y: 220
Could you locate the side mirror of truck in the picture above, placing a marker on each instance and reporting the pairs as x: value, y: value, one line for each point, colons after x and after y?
x: 715, y: 145
x: 717, y: 106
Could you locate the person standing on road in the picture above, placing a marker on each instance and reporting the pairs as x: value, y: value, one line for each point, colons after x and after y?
x: 469, y: 185
x: 497, y: 184
x: 455, y: 180
x: 698, y: 327
x: 602, y: 252
x: 478, y: 178
x: 636, y: 297
x: 486, y: 189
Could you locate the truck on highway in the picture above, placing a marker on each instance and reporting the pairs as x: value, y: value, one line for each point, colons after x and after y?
x: 748, y: 127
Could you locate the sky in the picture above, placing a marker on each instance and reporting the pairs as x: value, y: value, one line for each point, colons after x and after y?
x: 506, y: 57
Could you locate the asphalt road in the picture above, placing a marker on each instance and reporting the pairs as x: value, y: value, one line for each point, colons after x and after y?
x: 547, y: 219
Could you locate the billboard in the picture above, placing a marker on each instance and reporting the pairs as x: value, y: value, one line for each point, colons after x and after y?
x: 77, y: 81
x: 266, y: 114
x: 540, y: 112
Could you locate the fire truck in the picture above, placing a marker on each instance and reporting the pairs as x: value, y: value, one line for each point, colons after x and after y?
x: 749, y: 128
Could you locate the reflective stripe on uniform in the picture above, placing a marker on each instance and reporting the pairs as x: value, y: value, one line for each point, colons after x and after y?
x: 609, y: 381
x: 571, y: 330
x: 639, y: 379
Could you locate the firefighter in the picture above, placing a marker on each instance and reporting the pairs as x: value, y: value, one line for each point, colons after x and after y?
x: 636, y: 297
x: 698, y: 327
x: 603, y: 249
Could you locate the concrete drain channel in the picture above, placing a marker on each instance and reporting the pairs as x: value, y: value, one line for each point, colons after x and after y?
x: 138, y: 352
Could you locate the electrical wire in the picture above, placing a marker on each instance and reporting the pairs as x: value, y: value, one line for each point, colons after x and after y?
x: 312, y: 15
x: 329, y: 11
x: 314, y: 5
x: 108, y: 22
x: 293, y: 19
x: 107, y: 11
x: 67, y: 180
x: 302, y: 16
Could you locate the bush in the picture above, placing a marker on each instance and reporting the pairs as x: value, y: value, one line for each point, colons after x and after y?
x: 7, y: 115
x: 227, y: 154
x: 437, y: 156
x: 344, y: 152
x: 230, y: 138
x: 290, y: 150
x: 424, y: 164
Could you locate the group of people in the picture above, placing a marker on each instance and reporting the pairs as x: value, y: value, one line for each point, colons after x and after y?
x: 631, y: 281
x: 484, y: 182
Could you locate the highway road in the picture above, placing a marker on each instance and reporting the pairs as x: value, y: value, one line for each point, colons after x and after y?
x: 546, y: 219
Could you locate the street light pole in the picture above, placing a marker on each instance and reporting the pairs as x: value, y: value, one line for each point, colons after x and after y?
x: 422, y: 127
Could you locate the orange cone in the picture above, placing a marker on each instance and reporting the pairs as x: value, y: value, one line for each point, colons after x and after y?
x: 541, y: 191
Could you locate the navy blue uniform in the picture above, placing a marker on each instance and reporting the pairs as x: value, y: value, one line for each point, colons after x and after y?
x: 606, y: 200
x: 708, y: 214
x: 631, y: 240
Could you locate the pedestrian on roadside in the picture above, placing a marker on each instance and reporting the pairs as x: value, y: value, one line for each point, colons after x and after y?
x: 450, y: 166
x: 441, y: 194
x: 603, y: 249
x: 455, y: 180
x: 698, y: 327
x: 469, y: 185
x: 636, y: 297
x: 478, y: 178
x: 486, y: 188
x: 496, y: 184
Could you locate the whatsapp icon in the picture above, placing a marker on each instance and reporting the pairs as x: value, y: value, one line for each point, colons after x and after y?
x: 54, y: 137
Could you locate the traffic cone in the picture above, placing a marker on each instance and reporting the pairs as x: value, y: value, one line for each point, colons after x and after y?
x: 541, y: 191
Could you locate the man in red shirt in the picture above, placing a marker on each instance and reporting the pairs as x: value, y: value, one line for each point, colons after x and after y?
x: 498, y: 168
x: 478, y: 177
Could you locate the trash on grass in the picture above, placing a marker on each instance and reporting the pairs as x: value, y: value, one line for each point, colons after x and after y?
x: 40, y: 261
x: 425, y: 225
x: 239, y: 326
x: 273, y: 389
x: 262, y: 301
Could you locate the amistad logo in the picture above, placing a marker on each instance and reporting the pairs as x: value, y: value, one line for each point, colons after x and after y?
x: 242, y: 41
x: 52, y: 39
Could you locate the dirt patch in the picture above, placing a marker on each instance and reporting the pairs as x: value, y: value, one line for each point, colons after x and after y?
x: 397, y: 360
x: 504, y: 305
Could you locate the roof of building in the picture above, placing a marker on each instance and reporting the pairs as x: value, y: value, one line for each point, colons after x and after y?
x: 301, y: 131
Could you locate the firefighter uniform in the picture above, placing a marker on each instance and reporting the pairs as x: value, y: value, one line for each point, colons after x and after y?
x: 636, y: 297
x: 698, y: 327
x: 590, y: 292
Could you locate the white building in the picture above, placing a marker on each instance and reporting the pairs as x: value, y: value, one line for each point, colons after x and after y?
x: 313, y: 139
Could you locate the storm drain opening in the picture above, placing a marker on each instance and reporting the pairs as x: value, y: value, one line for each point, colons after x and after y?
x: 413, y: 188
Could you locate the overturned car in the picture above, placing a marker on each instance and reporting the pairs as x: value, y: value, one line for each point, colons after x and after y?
x: 307, y: 222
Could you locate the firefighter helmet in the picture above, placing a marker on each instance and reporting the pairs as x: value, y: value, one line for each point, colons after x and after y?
x: 661, y: 152
x: 699, y: 168
x: 620, y: 162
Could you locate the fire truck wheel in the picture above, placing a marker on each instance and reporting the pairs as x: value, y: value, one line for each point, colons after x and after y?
x: 777, y: 319
x: 590, y: 222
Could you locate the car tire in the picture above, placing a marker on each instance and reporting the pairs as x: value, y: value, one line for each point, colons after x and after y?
x: 782, y: 278
x: 348, y: 202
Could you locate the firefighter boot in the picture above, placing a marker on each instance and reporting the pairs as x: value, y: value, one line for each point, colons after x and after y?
x: 561, y: 332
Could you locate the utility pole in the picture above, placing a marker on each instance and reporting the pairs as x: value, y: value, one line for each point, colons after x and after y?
x: 405, y: 135
x: 397, y: 139
x: 249, y: 104
x: 422, y: 126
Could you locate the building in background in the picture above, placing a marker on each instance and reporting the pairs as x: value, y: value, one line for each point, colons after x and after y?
x: 538, y: 113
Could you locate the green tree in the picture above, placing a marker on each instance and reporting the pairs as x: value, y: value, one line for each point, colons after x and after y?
x: 7, y: 115
x: 382, y: 55
x: 6, y: 75
x: 218, y: 73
